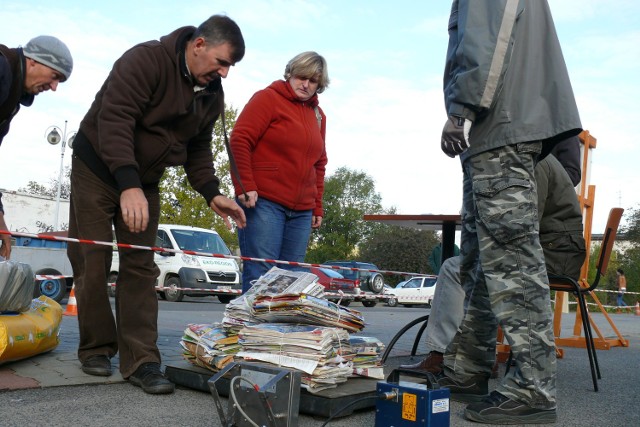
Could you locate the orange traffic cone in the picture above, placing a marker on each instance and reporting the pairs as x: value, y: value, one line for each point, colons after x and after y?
x: 637, y: 308
x: 72, y: 305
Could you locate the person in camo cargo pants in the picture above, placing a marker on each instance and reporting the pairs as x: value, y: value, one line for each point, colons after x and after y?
x: 509, y: 100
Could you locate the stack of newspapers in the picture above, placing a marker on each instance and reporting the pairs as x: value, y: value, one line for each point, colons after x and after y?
x: 367, y: 360
x: 284, y: 320
x: 323, y: 354
x: 292, y: 297
x: 209, y: 345
x: 306, y: 309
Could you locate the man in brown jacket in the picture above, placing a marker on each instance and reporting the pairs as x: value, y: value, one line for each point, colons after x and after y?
x: 156, y: 109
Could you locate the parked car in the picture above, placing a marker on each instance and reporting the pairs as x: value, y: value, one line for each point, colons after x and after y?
x: 369, y: 280
x: 190, y: 275
x: 335, y: 282
x: 418, y: 290
x: 401, y: 284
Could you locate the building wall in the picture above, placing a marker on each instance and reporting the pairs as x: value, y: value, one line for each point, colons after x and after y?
x: 29, y: 213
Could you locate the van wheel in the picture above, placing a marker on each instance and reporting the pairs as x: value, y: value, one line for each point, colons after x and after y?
x: 392, y: 302
x: 52, y: 288
x: 111, y: 290
x: 171, y: 292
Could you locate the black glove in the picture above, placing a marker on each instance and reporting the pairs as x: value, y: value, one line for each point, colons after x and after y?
x: 455, y: 136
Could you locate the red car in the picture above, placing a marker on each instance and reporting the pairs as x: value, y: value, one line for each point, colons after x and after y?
x: 334, y: 282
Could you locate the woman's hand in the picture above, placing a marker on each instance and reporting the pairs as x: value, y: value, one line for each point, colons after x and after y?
x: 249, y: 202
x: 227, y: 208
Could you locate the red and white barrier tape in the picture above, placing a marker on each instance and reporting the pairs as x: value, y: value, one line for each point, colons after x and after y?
x: 50, y: 277
x: 188, y: 252
x: 411, y: 297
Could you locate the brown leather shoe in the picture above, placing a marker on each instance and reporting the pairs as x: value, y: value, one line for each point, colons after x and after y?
x: 432, y: 363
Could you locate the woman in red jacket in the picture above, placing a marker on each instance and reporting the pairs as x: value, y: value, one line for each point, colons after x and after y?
x: 279, y: 147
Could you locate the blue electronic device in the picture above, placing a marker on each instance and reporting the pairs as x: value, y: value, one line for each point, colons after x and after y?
x: 410, y: 404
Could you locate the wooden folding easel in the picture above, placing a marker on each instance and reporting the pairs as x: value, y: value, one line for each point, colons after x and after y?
x: 586, y: 195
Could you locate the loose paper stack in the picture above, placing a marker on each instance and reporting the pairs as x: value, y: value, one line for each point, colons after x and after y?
x: 275, y: 282
x: 209, y: 345
x: 300, y: 308
x: 323, y: 354
x: 368, y: 354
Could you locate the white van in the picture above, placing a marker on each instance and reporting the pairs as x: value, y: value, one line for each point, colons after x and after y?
x: 191, y: 275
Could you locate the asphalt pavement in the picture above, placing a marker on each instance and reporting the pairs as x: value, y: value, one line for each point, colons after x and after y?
x: 50, y: 389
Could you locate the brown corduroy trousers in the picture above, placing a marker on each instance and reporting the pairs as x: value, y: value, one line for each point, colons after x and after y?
x: 95, y: 215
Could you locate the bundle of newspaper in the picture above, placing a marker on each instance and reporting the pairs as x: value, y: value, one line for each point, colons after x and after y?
x: 322, y: 354
x: 276, y: 281
x: 367, y: 361
x: 209, y: 345
x: 307, y: 309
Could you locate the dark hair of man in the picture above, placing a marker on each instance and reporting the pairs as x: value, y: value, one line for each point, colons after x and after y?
x: 219, y: 29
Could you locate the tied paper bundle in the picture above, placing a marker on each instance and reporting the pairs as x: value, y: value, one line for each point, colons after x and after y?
x: 322, y: 354
x: 288, y: 308
x: 274, y: 282
x: 209, y: 345
x: 367, y: 361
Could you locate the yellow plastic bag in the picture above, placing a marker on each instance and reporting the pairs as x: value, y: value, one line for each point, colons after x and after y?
x: 32, y: 332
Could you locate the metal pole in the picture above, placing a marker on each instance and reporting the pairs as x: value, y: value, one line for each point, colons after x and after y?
x: 56, y: 225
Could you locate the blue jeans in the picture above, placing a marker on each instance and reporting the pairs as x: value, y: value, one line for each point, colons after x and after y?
x: 620, y: 301
x: 272, y: 232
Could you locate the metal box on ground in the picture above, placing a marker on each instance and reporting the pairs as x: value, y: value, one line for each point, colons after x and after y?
x: 325, y: 403
x: 259, y: 394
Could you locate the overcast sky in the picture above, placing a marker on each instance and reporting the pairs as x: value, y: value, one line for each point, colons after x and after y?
x: 384, y: 106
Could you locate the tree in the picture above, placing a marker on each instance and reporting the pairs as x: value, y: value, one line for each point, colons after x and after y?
x: 400, y: 249
x: 181, y: 204
x: 629, y: 259
x: 632, y: 227
x: 51, y: 190
x: 348, y: 195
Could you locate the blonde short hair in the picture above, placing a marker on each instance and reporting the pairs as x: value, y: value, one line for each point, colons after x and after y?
x: 308, y: 65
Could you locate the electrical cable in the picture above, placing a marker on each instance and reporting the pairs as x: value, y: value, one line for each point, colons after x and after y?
x: 232, y: 394
x: 346, y: 406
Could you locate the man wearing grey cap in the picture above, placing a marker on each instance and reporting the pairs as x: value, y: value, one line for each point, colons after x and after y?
x: 25, y: 72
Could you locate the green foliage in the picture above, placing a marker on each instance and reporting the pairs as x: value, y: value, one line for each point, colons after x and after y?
x: 51, y: 190
x: 181, y: 204
x: 399, y: 249
x: 348, y: 196
x: 632, y: 227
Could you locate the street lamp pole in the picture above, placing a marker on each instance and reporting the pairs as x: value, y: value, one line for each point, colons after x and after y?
x: 54, y: 138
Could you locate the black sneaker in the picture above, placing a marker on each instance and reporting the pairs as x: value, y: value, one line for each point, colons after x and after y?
x: 499, y: 409
x: 150, y: 378
x: 473, y: 389
x: 98, y: 365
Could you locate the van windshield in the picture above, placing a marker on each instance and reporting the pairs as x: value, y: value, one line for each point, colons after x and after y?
x: 200, y: 241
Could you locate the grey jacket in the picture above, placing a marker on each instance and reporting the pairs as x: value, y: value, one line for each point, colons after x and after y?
x: 505, y: 72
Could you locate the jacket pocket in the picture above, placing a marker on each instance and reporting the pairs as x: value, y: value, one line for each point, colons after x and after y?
x: 564, y: 253
x: 506, y: 207
x: 265, y: 166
